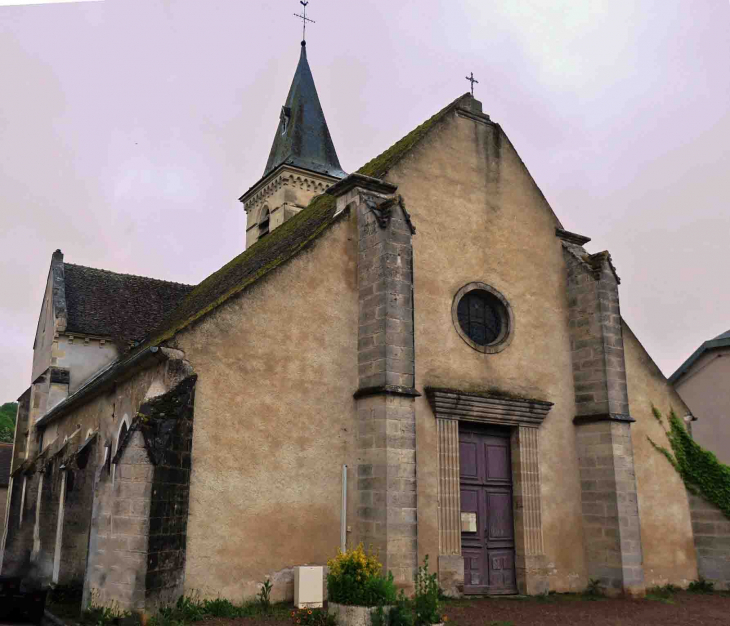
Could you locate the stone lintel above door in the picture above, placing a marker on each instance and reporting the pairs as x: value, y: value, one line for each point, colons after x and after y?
x: 487, y: 408
x: 525, y: 416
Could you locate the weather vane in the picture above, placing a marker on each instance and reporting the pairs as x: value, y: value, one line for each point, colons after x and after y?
x: 472, y: 80
x: 304, y: 19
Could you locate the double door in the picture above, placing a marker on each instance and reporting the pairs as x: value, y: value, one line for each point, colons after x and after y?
x: 487, y: 529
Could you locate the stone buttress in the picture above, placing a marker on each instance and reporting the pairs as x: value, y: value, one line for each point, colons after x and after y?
x: 602, y: 420
x: 386, y: 504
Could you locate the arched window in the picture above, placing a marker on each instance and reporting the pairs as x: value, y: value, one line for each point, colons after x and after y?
x: 264, y: 222
x: 122, y: 434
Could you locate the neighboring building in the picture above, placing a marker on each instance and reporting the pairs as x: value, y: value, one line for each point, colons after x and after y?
x: 427, y: 322
x: 703, y: 382
x: 6, y: 457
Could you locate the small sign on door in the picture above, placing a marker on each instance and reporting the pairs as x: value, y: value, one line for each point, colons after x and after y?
x: 468, y: 522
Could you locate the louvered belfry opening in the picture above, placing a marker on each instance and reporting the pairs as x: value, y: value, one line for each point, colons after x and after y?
x: 264, y: 224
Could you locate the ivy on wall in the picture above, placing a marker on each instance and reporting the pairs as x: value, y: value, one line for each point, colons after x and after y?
x: 700, y: 470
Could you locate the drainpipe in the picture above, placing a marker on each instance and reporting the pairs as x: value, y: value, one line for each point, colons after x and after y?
x: 343, y: 517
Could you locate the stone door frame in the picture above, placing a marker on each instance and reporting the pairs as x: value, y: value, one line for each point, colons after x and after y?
x: 524, y: 416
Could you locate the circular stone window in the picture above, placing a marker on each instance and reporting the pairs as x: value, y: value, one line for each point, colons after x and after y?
x: 482, y: 318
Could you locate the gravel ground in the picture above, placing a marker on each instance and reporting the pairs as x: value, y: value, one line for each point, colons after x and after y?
x: 682, y: 609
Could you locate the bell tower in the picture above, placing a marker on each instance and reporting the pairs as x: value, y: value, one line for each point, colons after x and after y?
x: 302, y: 163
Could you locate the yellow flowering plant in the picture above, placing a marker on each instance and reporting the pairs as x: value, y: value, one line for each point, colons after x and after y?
x: 354, y: 578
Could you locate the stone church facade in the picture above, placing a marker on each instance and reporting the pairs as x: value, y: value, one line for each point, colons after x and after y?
x: 426, y: 321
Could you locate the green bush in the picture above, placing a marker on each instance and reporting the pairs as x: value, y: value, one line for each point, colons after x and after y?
x: 701, y: 586
x: 191, y: 609
x: 354, y: 578
x: 402, y: 612
x: 7, y: 421
x: 426, y: 603
x: 374, y: 591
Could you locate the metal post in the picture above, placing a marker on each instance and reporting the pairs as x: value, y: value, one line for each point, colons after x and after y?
x: 343, y: 527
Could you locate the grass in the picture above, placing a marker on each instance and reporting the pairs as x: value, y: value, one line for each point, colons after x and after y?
x: 65, y: 603
x: 663, y: 594
x: 190, y: 609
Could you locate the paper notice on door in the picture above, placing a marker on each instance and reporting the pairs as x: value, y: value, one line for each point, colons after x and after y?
x: 468, y: 522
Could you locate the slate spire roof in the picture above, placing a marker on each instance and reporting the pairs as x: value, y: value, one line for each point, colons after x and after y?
x: 302, y: 138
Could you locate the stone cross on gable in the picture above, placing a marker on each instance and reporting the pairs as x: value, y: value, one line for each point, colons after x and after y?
x: 472, y: 80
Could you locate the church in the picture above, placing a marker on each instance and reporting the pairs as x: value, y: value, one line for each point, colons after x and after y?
x: 416, y: 356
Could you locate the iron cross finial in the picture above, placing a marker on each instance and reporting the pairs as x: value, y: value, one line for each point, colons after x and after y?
x: 304, y: 19
x: 472, y: 80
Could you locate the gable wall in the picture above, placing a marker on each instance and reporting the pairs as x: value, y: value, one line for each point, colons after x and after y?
x: 480, y: 217
x: 666, y: 527
x: 274, y: 422
x: 44, y: 333
x: 82, y: 356
x: 706, y: 390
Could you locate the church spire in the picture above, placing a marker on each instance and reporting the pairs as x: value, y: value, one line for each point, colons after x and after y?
x: 302, y: 138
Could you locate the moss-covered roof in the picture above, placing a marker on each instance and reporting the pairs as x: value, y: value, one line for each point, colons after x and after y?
x: 265, y: 255
x: 282, y: 243
x: 381, y: 164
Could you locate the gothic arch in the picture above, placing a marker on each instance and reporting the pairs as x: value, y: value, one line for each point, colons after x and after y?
x: 121, y: 432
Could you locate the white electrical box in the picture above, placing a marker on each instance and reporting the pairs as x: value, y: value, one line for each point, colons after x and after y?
x: 308, y: 586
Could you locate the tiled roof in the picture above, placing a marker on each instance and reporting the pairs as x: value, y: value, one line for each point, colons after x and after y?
x: 6, y: 460
x: 119, y: 306
x: 283, y: 242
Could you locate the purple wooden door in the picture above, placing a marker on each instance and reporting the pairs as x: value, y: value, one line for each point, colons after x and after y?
x: 487, y: 531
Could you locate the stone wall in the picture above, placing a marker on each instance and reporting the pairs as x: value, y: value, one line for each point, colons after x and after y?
x: 118, y: 538
x: 3, y: 504
x: 386, y: 471
x: 171, y: 418
x: 712, y: 541
x: 138, y: 527
x: 610, y: 505
x: 20, y: 443
x: 47, y: 519
x: 10, y: 543
x: 78, y: 500
x: 21, y: 525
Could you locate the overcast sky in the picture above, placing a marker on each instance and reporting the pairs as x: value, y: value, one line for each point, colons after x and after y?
x: 129, y: 128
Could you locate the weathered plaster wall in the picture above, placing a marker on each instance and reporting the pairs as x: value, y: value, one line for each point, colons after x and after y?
x: 274, y: 422
x: 666, y: 526
x: 712, y: 541
x: 83, y: 356
x: 706, y: 391
x: 480, y: 217
x: 44, y: 332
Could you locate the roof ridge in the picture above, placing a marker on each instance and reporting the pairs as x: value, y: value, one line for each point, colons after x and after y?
x: 157, y: 280
x: 282, y: 243
x: 378, y: 166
